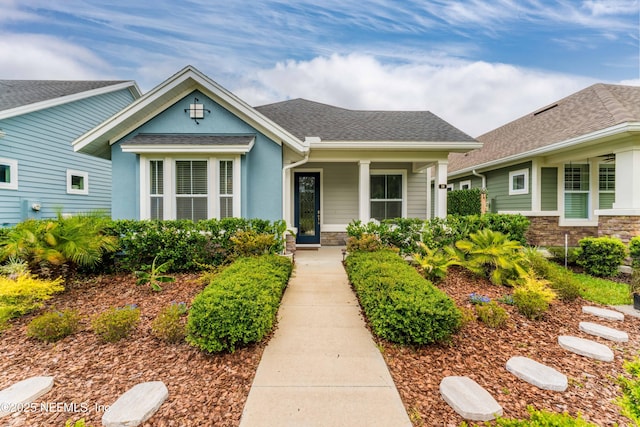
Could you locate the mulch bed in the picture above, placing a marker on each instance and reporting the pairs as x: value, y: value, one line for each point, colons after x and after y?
x: 211, y: 390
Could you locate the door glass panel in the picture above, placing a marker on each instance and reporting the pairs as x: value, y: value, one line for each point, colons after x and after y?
x: 307, y: 205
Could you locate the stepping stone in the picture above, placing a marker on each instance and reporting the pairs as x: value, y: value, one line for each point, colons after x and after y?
x: 603, y: 312
x: 536, y: 373
x: 469, y: 399
x: 586, y: 348
x: 13, y: 398
x: 604, y: 332
x: 136, y: 405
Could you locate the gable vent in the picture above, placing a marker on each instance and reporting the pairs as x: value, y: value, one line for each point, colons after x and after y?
x: 545, y: 109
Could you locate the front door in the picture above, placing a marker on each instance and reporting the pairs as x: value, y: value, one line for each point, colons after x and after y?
x: 307, y: 207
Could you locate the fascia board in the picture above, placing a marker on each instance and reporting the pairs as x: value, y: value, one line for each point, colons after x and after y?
x: 182, y: 148
x: 395, y: 145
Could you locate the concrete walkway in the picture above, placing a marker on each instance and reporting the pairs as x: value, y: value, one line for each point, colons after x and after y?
x: 322, y: 367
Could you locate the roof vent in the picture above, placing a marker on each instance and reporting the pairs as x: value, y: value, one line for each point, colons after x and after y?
x: 545, y: 109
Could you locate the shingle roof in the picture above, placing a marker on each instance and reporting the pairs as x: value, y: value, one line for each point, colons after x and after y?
x: 17, y: 93
x: 595, y: 108
x: 307, y: 118
x: 189, y: 139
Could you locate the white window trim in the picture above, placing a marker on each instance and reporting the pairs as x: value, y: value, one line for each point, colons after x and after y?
x: 467, y: 183
x: 405, y: 185
x: 85, y: 177
x: 13, y: 174
x: 513, y: 174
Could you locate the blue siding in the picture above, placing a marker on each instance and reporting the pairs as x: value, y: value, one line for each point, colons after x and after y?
x: 261, y: 168
x: 41, y: 143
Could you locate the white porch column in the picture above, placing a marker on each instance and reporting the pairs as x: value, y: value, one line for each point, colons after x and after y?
x: 287, y: 212
x: 535, y: 187
x: 429, y: 195
x: 441, y: 189
x: 364, y: 191
x: 628, y: 179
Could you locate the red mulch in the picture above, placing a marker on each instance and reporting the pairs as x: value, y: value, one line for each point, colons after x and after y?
x: 210, y: 390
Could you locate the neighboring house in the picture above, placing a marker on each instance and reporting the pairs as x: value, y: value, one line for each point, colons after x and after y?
x: 40, y: 174
x: 191, y: 149
x: 572, y: 167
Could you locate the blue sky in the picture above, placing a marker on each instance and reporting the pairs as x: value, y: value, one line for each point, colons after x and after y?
x: 477, y: 64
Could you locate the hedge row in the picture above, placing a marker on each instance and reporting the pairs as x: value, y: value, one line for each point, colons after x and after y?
x: 464, y: 202
x: 401, y: 306
x: 239, y: 305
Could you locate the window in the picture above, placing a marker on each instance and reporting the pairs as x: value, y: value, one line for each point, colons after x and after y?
x: 226, y: 188
x: 386, y: 196
x: 465, y: 185
x: 449, y: 187
x: 607, y: 185
x: 519, y: 182
x: 156, y: 190
x: 8, y: 174
x: 576, y: 191
x: 77, y: 182
x: 191, y: 189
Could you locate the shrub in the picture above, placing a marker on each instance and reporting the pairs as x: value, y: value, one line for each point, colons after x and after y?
x: 532, y: 297
x: 542, y: 418
x: 434, y: 263
x: 400, y: 305
x: 464, y: 202
x: 629, y: 402
x: 24, y: 294
x: 240, y: 304
x: 80, y: 423
x: 561, y: 280
x: 634, y: 251
x: 116, y: 323
x: 170, y: 325
x: 601, y: 256
x: 559, y: 255
x: 366, y: 242
x: 492, y: 315
x: 155, y: 276
x: 251, y: 243
x: 54, y: 325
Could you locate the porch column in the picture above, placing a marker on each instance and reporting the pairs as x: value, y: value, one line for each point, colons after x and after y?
x: 440, y: 189
x: 429, y: 195
x: 628, y: 179
x: 364, y: 191
x: 287, y: 213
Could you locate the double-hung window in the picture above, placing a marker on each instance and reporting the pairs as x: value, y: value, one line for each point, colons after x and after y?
x: 191, y: 189
x: 156, y: 192
x: 386, y: 195
x: 226, y: 188
x: 576, y: 191
x: 8, y: 174
x: 607, y: 186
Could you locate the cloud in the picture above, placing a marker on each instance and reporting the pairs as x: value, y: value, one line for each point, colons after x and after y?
x: 473, y: 96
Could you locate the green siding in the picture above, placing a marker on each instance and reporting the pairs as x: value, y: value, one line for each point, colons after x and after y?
x: 476, y: 181
x: 498, y: 190
x: 549, y: 196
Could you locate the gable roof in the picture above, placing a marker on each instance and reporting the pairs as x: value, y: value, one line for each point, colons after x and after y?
x: 98, y: 140
x: 598, y: 107
x: 308, y: 118
x: 23, y: 96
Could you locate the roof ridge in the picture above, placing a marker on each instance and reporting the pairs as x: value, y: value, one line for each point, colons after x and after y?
x: 617, y: 110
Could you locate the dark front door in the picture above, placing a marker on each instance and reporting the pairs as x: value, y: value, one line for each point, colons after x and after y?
x: 307, y: 207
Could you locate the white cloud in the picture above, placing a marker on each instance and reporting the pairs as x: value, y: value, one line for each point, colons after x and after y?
x: 474, y: 96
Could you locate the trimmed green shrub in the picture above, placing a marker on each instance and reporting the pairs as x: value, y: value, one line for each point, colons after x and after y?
x: 464, y: 202
x: 542, y: 418
x: 492, y: 315
x: 629, y: 402
x: 532, y: 297
x: 251, y: 243
x: 366, y: 242
x: 170, y: 325
x: 561, y: 280
x: 116, y: 323
x: 400, y: 305
x: 54, y: 325
x: 601, y: 256
x: 634, y: 251
x: 240, y: 304
x: 558, y: 254
x: 24, y: 294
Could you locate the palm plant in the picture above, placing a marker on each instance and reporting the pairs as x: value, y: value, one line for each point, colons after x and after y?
x: 435, y: 262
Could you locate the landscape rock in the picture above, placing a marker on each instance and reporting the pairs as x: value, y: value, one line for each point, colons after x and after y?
x: 586, y: 348
x: 469, y: 399
x: 603, y: 313
x: 13, y: 398
x: 604, y: 332
x: 136, y: 405
x: 541, y: 376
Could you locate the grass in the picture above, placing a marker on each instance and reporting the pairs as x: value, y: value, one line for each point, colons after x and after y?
x: 603, y: 291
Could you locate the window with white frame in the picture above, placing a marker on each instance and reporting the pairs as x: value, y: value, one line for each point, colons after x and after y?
x: 607, y: 185
x: 519, y: 182
x: 465, y: 185
x: 191, y: 189
x: 576, y: 191
x: 449, y: 187
x: 8, y: 174
x: 156, y: 190
x: 226, y: 188
x: 386, y: 195
x: 77, y: 182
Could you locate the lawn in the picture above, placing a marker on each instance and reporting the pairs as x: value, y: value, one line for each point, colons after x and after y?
x: 603, y: 291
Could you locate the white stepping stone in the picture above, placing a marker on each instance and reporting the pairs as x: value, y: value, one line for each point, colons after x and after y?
x: 604, y: 332
x: 603, y: 313
x: 136, y: 405
x: 586, y: 348
x: 536, y: 373
x: 469, y: 399
x: 15, y: 397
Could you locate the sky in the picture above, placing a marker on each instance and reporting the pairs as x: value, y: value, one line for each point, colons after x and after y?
x: 477, y: 64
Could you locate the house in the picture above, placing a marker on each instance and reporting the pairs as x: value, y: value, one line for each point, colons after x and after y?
x: 190, y: 149
x: 572, y: 167
x: 40, y: 174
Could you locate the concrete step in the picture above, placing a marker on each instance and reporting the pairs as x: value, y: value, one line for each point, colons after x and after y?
x: 603, y: 332
x: 469, y: 399
x: 586, y: 348
x: 536, y: 373
x: 13, y: 398
x: 603, y: 313
x: 136, y: 405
